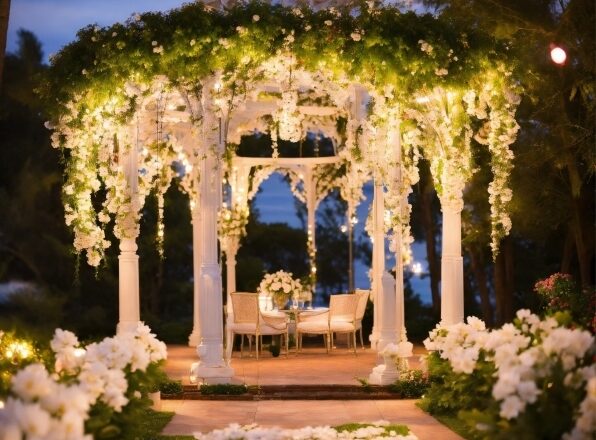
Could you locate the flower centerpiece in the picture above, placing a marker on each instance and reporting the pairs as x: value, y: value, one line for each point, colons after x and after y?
x: 280, y: 286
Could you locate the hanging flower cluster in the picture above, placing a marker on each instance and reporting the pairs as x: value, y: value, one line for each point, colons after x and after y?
x: 146, y: 82
x: 231, y: 222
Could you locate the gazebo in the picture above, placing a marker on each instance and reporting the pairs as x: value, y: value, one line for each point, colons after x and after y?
x: 167, y: 97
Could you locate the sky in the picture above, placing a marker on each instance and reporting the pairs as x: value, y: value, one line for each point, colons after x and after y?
x: 56, y: 22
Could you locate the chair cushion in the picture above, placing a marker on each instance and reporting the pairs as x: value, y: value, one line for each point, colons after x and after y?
x: 312, y: 327
x: 342, y: 326
x: 250, y: 328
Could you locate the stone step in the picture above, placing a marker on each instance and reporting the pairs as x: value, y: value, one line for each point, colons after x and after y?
x: 294, y: 392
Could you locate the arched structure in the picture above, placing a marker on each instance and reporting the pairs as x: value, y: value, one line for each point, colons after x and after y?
x: 166, y: 97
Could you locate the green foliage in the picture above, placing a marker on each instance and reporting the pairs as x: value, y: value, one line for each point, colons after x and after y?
x: 17, y: 352
x: 451, y: 392
x: 227, y: 389
x: 411, y: 385
x: 351, y: 427
x: 169, y: 386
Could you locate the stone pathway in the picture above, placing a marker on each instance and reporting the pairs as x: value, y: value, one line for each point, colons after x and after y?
x: 312, y: 366
x: 204, y: 416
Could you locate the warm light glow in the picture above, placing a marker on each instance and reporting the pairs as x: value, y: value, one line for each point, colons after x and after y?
x: 193, y: 379
x: 343, y: 228
x: 79, y: 352
x: 1, y: 404
x: 416, y: 268
x: 354, y: 220
x: 217, y: 86
x: 18, y: 349
x: 423, y: 100
x: 558, y: 55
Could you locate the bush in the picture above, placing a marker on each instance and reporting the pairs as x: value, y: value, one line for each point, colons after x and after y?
x: 223, y: 389
x: 529, y: 379
x: 169, y: 386
x: 560, y: 293
x: 411, y: 385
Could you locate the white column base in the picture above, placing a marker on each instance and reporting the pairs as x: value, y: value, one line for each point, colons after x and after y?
x: 194, y: 339
x: 127, y: 326
x: 201, y: 374
x: 385, y: 373
x: 452, y: 289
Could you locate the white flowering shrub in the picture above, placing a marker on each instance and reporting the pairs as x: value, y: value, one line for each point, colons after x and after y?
x: 532, y: 379
x: 97, y: 391
x: 378, y: 430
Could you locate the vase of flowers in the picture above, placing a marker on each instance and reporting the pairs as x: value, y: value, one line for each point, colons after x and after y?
x: 281, y: 287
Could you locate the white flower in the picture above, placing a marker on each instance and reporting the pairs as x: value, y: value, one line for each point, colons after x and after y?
x: 528, y: 391
x: 328, y: 22
x: 356, y: 36
x: 441, y: 72
x: 255, y: 18
x: 63, y: 339
x: 511, y: 407
x: 31, y: 418
x: 32, y: 382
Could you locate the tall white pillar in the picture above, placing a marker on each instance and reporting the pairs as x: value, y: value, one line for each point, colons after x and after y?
x: 195, y: 337
x: 128, y: 260
x: 378, y: 257
x: 452, y: 265
x: 231, y: 251
x: 395, y: 141
x: 211, y: 368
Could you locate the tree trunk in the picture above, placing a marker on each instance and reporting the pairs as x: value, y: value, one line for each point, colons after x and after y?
x: 582, y: 247
x: 4, y: 14
x: 568, y: 248
x: 503, y: 282
x: 477, y: 264
x: 434, y: 266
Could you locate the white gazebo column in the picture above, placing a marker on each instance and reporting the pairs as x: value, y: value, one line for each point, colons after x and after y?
x: 231, y: 249
x: 195, y: 337
x: 310, y: 191
x: 452, y: 265
x: 128, y: 260
x: 397, y: 175
x: 378, y: 258
x: 211, y: 368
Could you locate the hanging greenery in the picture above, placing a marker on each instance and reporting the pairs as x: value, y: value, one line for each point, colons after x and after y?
x: 108, y: 90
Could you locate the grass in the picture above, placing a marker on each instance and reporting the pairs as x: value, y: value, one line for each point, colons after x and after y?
x: 452, y: 422
x: 223, y: 389
x: 351, y: 427
x: 154, y: 422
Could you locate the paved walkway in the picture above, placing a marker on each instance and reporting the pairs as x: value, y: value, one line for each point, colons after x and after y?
x: 312, y: 366
x: 204, y: 416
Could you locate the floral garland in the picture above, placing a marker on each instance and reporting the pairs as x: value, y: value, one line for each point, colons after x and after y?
x: 93, y: 98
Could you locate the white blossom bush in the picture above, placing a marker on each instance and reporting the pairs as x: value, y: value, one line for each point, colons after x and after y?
x: 533, y: 378
x: 97, y: 391
x: 376, y: 430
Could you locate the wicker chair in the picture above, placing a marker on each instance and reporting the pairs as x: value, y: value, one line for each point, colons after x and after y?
x: 248, y: 320
x: 312, y: 324
x: 342, y: 316
x: 363, y: 296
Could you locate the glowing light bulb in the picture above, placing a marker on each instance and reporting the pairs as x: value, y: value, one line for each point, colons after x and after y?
x: 343, y: 228
x: 558, y: 55
x: 416, y: 268
x: 79, y: 352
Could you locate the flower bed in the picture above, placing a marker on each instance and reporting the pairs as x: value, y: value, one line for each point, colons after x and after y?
x: 531, y: 379
x: 97, y: 391
x: 381, y: 429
